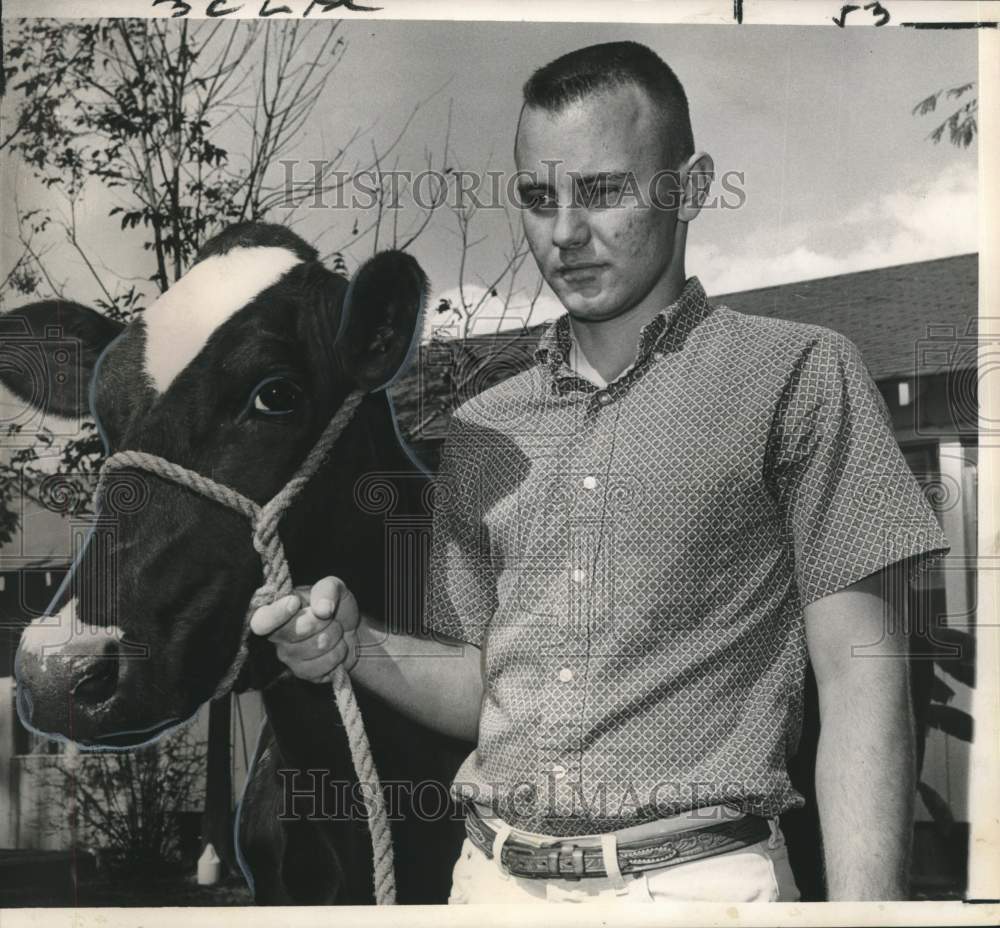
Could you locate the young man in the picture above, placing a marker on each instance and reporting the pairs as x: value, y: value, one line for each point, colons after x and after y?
x: 644, y: 537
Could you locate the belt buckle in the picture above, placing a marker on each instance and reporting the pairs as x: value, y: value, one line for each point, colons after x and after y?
x: 571, y: 855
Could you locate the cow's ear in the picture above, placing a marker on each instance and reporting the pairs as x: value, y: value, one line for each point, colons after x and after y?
x: 48, y: 352
x: 381, y: 319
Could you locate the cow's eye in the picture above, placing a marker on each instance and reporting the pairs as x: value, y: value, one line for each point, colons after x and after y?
x: 278, y: 396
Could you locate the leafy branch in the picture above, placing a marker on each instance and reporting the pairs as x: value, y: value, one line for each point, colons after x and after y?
x: 961, y: 125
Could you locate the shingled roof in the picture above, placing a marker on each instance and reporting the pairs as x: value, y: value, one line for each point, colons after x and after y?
x: 890, y: 313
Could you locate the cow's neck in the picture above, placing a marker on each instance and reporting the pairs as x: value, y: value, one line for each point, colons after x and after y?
x: 339, y: 525
x: 329, y: 532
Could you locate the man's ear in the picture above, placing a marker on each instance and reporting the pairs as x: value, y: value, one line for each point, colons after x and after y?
x: 696, y: 180
x: 381, y: 320
x: 48, y: 352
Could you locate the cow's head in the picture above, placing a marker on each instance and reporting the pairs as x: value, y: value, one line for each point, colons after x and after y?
x: 232, y: 373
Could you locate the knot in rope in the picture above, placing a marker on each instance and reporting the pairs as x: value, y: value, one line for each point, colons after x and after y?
x: 277, y: 582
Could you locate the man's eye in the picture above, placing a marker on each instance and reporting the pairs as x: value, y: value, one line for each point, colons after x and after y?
x: 536, y: 200
x: 278, y: 396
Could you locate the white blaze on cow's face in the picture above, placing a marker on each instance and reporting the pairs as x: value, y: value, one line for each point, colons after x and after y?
x: 53, y: 636
x: 48, y: 635
x: 181, y: 321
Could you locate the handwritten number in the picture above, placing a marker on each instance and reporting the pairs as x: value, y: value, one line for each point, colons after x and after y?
x: 876, y: 9
x: 844, y: 10
x: 179, y: 7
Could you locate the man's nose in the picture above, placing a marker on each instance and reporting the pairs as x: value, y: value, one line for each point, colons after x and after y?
x: 571, y: 229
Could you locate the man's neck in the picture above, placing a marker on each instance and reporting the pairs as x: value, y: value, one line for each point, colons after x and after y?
x: 610, y: 345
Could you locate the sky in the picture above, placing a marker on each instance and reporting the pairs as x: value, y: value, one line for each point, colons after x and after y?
x: 837, y: 174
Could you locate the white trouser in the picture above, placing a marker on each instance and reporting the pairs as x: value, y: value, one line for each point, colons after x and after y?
x: 757, y: 873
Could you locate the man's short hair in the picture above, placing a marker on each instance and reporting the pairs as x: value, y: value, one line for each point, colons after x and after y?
x: 608, y: 66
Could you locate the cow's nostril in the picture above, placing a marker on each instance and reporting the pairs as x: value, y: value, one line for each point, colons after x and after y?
x: 99, y: 685
x: 99, y: 680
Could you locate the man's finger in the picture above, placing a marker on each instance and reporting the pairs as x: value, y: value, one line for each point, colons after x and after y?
x: 310, y: 647
x: 268, y: 619
x: 325, y: 596
x: 315, y: 667
x: 303, y: 626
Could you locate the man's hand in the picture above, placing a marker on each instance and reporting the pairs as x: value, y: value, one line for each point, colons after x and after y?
x: 314, y: 630
x: 433, y: 680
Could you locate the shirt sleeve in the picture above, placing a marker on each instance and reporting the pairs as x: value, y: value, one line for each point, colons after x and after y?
x: 461, y: 589
x: 851, y: 505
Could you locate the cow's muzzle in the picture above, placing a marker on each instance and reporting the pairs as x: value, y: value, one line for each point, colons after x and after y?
x: 73, y: 681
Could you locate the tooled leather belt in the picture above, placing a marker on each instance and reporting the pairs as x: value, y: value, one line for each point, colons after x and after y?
x: 576, y: 858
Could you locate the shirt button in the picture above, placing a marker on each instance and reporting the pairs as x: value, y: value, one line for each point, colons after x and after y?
x: 578, y: 575
x: 604, y: 398
x: 590, y: 483
x: 565, y: 675
x: 524, y: 793
x: 558, y: 771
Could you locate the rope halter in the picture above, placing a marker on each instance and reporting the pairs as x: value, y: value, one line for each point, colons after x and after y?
x: 264, y: 522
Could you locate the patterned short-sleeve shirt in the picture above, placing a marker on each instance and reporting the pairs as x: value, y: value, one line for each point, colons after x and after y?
x: 634, y: 561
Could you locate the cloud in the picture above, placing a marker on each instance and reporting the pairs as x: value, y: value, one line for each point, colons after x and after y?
x: 932, y: 219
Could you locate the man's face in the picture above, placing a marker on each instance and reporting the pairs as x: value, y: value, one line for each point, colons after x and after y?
x: 601, y: 260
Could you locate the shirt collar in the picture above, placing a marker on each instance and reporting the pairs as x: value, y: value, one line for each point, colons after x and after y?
x: 660, y: 334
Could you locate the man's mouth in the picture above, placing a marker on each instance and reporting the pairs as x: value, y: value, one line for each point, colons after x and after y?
x: 579, y: 272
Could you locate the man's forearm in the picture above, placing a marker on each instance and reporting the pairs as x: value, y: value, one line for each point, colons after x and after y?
x: 434, y: 681
x: 865, y: 787
x: 865, y: 761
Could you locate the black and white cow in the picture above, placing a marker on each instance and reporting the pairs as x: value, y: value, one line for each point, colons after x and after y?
x: 233, y: 373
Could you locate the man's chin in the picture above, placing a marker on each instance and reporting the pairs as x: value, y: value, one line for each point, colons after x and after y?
x: 590, y: 310
x: 583, y: 304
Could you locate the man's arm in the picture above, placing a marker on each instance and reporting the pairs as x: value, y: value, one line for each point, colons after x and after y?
x: 435, y: 681
x: 865, y: 761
